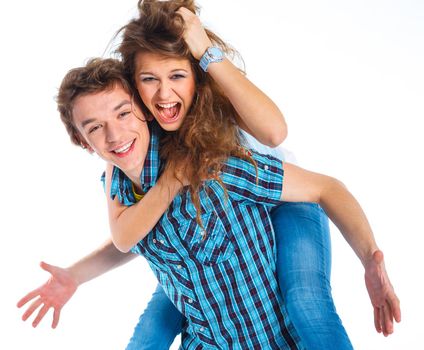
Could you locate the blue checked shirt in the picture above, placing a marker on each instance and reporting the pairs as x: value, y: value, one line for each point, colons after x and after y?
x: 221, y: 277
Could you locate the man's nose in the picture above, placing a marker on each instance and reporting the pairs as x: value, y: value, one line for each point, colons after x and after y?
x: 113, y: 133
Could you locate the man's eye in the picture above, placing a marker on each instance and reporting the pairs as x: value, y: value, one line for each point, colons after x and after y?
x: 94, y: 128
x: 124, y: 114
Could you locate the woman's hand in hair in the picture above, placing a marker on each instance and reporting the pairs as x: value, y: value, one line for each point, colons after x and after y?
x: 194, y: 34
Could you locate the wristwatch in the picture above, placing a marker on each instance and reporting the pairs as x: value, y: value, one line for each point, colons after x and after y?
x: 211, y: 55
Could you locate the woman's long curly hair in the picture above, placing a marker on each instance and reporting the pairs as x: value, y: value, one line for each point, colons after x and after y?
x: 209, y: 134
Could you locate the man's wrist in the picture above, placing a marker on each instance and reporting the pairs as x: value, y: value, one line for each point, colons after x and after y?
x: 76, y: 277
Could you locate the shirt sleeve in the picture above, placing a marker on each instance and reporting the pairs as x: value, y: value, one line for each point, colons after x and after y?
x: 121, y: 186
x: 261, y: 184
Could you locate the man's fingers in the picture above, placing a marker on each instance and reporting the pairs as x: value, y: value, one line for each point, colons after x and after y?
x: 377, y: 322
x: 40, y: 315
x: 395, y: 307
x: 28, y: 297
x: 56, y: 317
x: 382, y: 321
x: 388, y: 319
x: 31, y: 309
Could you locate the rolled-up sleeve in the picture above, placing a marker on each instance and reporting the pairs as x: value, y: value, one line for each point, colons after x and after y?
x: 261, y: 184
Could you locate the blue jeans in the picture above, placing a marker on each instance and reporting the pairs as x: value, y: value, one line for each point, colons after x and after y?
x: 303, y: 267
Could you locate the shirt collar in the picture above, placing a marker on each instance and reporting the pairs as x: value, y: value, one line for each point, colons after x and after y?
x: 149, y: 174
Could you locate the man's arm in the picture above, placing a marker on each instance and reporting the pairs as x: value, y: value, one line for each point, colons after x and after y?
x: 344, y: 210
x: 259, y: 115
x: 341, y: 207
x: 64, y: 282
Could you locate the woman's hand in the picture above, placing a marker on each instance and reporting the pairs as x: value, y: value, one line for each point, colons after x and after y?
x: 194, y: 34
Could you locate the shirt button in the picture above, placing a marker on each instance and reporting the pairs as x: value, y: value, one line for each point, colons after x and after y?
x: 202, y: 329
x: 179, y: 267
x: 266, y: 167
x: 154, y: 240
x: 190, y: 301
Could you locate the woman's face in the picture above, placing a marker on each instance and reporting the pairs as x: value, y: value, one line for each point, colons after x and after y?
x: 166, y: 86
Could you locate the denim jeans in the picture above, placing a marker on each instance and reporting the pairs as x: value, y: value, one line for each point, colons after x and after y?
x: 303, y: 268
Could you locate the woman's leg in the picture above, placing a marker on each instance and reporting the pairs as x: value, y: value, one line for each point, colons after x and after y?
x: 304, y: 268
x: 158, y: 326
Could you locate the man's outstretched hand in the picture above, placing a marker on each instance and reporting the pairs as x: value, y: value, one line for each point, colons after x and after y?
x: 383, y: 298
x: 54, y: 293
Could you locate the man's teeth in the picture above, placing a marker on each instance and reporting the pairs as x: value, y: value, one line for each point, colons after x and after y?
x: 167, y: 105
x: 124, y: 148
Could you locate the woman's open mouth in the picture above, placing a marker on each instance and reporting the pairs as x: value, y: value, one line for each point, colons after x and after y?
x: 168, y: 112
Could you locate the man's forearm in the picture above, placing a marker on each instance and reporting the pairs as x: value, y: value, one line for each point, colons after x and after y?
x: 101, y: 260
x: 346, y: 213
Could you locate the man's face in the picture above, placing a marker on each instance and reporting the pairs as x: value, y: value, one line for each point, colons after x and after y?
x: 113, y: 126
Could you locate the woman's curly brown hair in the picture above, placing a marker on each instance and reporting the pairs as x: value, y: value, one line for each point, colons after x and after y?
x: 209, y: 134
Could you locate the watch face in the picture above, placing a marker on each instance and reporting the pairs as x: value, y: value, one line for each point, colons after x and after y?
x: 215, y: 53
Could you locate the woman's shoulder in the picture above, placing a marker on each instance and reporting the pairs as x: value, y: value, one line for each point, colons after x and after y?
x: 278, y: 152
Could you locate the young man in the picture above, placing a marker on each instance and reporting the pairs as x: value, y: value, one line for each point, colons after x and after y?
x: 212, y: 321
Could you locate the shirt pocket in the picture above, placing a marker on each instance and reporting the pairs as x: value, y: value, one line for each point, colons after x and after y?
x: 209, y: 245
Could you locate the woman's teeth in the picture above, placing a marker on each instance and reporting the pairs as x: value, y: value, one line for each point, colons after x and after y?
x: 168, y: 110
x: 167, y: 105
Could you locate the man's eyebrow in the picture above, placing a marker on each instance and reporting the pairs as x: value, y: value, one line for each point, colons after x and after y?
x: 87, y: 121
x: 116, y: 108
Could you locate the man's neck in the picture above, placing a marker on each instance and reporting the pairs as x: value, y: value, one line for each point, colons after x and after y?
x: 135, y: 179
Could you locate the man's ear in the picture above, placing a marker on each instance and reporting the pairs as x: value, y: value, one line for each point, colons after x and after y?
x: 86, y: 146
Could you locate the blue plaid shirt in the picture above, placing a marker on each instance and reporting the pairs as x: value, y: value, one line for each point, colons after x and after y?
x: 221, y: 277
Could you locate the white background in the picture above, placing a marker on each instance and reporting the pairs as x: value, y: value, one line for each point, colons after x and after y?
x: 348, y: 76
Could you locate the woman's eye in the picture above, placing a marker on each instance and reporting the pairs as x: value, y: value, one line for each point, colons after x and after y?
x: 147, y: 79
x: 177, y: 76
